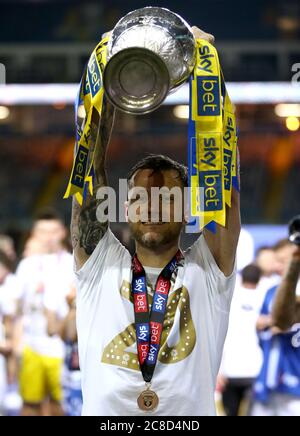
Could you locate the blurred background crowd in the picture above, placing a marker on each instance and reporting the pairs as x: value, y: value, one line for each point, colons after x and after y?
x: 46, y: 42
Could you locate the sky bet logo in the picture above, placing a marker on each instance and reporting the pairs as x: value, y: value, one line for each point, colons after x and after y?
x: 159, y: 303
x: 94, y: 76
x: 208, y: 87
x: 227, y: 152
x: 143, y: 332
x: 208, y: 92
x: 143, y: 352
x: 139, y: 285
x: 156, y: 329
x: 163, y: 286
x: 139, y: 295
x: 80, y: 167
x: 152, y: 355
x: 227, y: 159
x: 211, y: 181
x: 140, y: 303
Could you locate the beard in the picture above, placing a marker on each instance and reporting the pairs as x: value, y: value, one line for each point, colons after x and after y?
x: 154, y: 240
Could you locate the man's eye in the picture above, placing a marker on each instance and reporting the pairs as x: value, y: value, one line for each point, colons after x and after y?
x: 140, y: 199
x: 168, y: 198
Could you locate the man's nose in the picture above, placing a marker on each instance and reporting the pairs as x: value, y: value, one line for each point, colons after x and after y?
x: 155, y: 207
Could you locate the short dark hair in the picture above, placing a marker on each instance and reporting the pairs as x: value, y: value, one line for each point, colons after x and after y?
x: 282, y: 243
x: 251, y: 274
x: 48, y: 215
x: 158, y: 162
x: 263, y: 248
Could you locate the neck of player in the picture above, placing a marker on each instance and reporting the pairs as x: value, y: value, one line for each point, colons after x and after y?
x: 158, y: 257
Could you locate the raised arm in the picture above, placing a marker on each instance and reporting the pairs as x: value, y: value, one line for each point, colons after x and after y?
x: 86, y: 230
x: 223, y: 243
x: 286, y: 307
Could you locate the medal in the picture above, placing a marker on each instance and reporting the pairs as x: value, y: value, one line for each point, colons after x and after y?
x: 149, y: 326
x: 148, y: 400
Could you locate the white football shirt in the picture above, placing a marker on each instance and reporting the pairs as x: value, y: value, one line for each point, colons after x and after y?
x: 44, y: 281
x: 194, y: 331
x: 242, y: 356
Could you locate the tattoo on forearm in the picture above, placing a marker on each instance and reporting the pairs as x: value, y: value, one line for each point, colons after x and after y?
x: 90, y: 229
x: 85, y: 228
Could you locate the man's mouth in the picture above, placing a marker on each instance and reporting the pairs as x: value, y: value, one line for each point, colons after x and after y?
x: 153, y: 223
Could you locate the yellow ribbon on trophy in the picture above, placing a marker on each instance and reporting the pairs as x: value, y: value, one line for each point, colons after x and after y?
x: 90, y: 95
x: 212, y: 140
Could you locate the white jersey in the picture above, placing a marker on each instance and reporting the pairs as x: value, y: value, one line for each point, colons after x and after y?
x: 7, y: 300
x: 192, y: 341
x: 44, y: 281
x: 242, y: 356
x: 7, y: 308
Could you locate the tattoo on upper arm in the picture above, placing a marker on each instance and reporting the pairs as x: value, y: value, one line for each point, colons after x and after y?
x: 90, y: 229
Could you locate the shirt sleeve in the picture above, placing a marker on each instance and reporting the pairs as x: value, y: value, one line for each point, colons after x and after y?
x: 8, y: 306
x: 21, y: 278
x: 216, y: 280
x: 9, y: 296
x: 109, y: 253
x: 56, y: 302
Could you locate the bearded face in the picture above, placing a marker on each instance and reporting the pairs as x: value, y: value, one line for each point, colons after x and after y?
x: 156, y: 208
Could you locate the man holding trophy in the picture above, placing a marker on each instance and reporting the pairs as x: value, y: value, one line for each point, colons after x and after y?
x: 151, y: 327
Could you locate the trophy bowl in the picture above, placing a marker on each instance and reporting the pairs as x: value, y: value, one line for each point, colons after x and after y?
x: 151, y: 52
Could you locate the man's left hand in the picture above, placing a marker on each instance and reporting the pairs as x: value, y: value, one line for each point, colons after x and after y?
x: 198, y: 33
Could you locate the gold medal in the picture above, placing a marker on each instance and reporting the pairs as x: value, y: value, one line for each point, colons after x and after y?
x: 148, y: 400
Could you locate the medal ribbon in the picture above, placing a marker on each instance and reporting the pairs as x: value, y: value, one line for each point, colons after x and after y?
x: 149, y: 325
x: 212, y: 141
x: 90, y: 96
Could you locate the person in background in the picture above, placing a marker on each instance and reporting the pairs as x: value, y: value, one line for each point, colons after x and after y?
x: 241, y: 359
x: 266, y: 260
x: 43, y: 280
x: 72, y: 375
x: 33, y: 246
x: 7, y: 312
x: 7, y: 247
x: 277, y: 388
x: 245, y: 249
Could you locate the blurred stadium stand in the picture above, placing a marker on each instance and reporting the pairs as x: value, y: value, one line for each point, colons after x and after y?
x: 42, y: 40
x: 49, y: 42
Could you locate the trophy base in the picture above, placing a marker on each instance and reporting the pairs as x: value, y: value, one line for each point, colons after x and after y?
x: 136, y: 80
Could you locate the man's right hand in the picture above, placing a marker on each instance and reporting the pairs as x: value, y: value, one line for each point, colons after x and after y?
x: 198, y: 33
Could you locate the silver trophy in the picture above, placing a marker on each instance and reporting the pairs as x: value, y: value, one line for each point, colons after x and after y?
x: 151, y: 52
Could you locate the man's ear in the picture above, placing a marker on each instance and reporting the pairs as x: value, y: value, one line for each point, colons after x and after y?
x: 186, y: 215
x: 126, y: 206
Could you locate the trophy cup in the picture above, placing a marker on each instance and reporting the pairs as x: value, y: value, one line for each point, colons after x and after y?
x: 151, y: 52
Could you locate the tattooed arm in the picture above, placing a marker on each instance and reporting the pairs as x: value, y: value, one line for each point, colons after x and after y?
x: 86, y: 230
x: 286, y: 308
